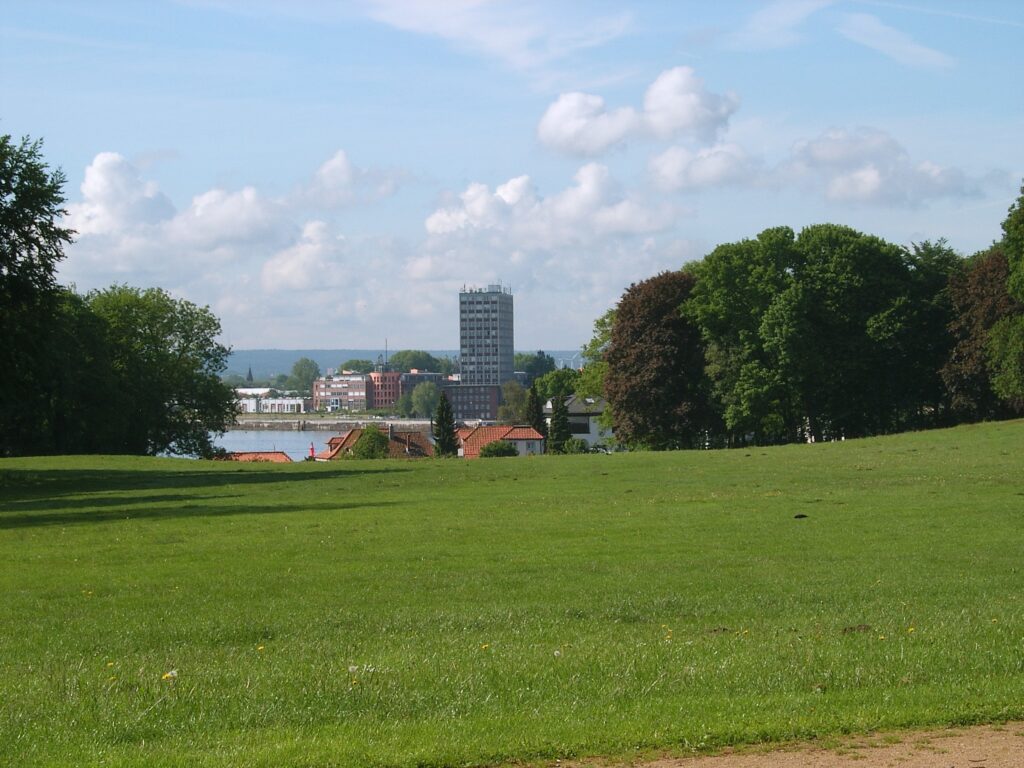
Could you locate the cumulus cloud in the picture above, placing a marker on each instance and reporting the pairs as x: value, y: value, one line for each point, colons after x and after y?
x: 337, y: 182
x: 867, y: 30
x: 678, y: 168
x: 775, y: 25
x: 676, y: 104
x: 866, y: 165
x: 114, y: 196
x: 593, y: 206
x: 579, y: 122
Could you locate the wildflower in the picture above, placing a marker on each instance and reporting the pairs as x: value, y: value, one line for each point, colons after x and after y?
x: 485, y: 646
x: 172, y: 675
x: 352, y: 669
x: 910, y: 630
x: 110, y: 663
x: 111, y: 679
x: 558, y: 653
x: 259, y: 647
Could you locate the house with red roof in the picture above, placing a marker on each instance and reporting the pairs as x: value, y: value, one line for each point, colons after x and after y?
x: 401, y: 445
x: 270, y: 457
x: 527, y: 440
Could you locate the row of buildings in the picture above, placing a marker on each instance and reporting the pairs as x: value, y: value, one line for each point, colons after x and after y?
x: 486, y: 362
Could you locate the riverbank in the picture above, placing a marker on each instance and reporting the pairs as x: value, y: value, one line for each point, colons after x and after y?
x: 312, y: 422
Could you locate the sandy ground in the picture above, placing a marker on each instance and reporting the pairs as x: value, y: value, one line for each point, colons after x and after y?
x: 990, y: 746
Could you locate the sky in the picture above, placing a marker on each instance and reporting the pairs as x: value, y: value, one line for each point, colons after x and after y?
x: 330, y: 174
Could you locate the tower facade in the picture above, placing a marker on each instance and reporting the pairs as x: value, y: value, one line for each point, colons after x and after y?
x: 486, y: 345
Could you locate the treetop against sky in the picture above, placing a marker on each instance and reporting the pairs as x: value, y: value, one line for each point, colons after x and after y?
x: 330, y: 174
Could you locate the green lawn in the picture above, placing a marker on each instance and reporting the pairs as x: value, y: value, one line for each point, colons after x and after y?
x: 466, y: 613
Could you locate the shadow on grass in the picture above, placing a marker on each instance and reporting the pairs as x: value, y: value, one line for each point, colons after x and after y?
x: 18, y: 484
x: 179, y: 507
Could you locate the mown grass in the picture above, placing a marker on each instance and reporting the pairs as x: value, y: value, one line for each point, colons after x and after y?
x: 468, y: 613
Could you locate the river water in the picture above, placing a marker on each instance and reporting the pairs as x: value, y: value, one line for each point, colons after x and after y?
x: 292, y: 442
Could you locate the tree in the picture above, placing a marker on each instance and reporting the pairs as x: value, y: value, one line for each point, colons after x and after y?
x: 425, y: 397
x: 735, y: 286
x: 168, y: 364
x: 407, y: 359
x: 560, y: 383
x: 655, y: 382
x: 559, y: 433
x: 498, y: 448
x: 534, y: 366
x: 535, y: 411
x: 31, y: 244
x: 513, y: 407
x: 357, y: 366
x: 304, y: 373
x: 575, y: 445
x: 445, y: 439
x: 1006, y: 345
x: 980, y: 300
x: 403, y: 405
x: 372, y: 444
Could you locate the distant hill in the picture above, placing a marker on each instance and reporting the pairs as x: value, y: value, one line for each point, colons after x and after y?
x: 267, y: 363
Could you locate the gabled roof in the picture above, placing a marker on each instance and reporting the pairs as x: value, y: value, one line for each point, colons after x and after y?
x: 475, y: 439
x: 272, y: 457
x: 402, y: 445
x: 581, y: 406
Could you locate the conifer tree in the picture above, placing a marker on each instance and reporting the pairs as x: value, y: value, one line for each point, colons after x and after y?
x: 559, y: 432
x: 445, y: 441
x: 535, y: 411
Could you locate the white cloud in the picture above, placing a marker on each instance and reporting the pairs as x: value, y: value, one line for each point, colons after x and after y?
x: 866, y: 165
x: 590, y: 208
x: 867, y: 30
x: 114, y: 196
x: 775, y: 25
x: 524, y: 36
x: 337, y: 182
x: 675, y: 104
x: 579, y: 122
x: 678, y: 168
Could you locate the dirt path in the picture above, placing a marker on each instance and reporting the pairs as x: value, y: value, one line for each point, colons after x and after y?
x: 989, y: 746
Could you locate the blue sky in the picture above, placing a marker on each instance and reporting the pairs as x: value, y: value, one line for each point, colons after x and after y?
x: 329, y: 174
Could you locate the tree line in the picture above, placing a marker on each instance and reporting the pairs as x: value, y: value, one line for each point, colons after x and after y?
x: 121, y: 370
x: 824, y: 334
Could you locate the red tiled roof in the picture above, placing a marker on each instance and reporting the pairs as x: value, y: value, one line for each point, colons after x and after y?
x: 475, y: 439
x: 272, y: 457
x: 402, y: 445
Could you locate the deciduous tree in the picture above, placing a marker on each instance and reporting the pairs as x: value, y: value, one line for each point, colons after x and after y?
x: 425, y: 396
x: 655, y: 382
x: 31, y: 244
x: 168, y: 363
x: 372, y: 444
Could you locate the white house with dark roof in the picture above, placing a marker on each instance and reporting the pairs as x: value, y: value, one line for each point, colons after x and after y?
x: 584, y: 419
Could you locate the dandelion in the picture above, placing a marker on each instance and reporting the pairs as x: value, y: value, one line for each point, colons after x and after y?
x: 171, y: 675
x: 352, y: 669
x: 485, y: 646
x: 558, y: 653
x: 111, y: 679
x: 110, y: 663
x: 911, y: 630
x: 881, y: 637
x: 259, y: 647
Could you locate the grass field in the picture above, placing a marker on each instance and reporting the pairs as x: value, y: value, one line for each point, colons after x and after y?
x: 176, y: 613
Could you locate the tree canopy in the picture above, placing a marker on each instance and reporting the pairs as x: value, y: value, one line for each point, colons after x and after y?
x: 372, y: 444
x: 534, y: 365
x: 168, y: 364
x: 498, y: 449
x: 31, y: 244
x: 445, y: 439
x: 407, y: 359
x: 424, y: 399
x: 655, y: 380
x: 304, y: 373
